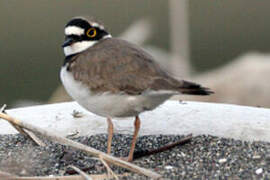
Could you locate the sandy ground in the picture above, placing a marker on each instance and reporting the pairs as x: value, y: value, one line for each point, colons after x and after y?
x: 204, y: 157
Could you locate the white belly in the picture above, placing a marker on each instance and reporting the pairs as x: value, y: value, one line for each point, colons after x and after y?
x: 111, y: 105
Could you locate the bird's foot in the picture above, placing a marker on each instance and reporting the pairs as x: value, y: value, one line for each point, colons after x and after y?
x: 127, y: 158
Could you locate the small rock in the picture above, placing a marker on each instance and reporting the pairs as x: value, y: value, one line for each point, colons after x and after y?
x: 223, y: 160
x: 73, y: 134
x: 23, y: 172
x: 168, y: 167
x: 77, y: 114
x: 259, y: 171
x: 256, y: 157
x: 183, y: 154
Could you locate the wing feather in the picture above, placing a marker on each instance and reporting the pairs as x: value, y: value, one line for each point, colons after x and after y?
x: 115, y: 65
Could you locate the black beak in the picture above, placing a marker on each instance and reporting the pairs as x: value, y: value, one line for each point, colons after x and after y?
x: 68, y: 41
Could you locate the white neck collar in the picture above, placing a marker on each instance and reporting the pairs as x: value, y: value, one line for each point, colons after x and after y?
x: 80, y: 46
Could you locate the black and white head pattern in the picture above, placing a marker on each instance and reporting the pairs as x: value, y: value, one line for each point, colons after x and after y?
x: 80, y: 34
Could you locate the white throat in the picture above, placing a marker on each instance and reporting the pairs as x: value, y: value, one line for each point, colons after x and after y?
x: 80, y: 46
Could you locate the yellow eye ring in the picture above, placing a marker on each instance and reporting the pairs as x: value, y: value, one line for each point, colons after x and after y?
x: 91, y: 32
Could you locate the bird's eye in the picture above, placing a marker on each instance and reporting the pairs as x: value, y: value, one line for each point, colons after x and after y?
x: 91, y: 32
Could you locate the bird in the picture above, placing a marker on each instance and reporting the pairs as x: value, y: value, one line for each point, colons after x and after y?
x: 114, y: 78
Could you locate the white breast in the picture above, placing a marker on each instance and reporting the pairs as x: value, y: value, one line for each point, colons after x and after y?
x: 111, y: 105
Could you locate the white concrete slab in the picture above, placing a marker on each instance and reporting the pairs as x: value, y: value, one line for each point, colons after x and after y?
x: 173, y: 117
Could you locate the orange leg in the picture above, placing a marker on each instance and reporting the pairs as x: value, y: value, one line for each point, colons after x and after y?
x: 137, y: 125
x: 110, y: 135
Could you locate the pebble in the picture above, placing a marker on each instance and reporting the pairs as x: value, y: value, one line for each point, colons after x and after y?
x: 168, y: 167
x: 259, y: 171
x: 256, y: 157
x: 221, y: 161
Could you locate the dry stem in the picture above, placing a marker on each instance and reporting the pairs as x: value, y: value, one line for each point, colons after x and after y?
x: 79, y: 146
x: 182, y: 141
x: 26, y: 133
x: 6, y: 176
x: 83, y: 174
x: 110, y: 171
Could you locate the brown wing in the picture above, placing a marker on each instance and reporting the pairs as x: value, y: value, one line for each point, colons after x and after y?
x: 115, y: 65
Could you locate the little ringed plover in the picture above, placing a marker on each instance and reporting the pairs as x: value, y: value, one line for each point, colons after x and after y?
x: 113, y: 78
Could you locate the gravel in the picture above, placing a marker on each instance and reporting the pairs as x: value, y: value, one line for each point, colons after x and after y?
x: 205, y: 157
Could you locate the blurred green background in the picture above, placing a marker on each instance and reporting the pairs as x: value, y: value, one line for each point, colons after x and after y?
x: 31, y: 33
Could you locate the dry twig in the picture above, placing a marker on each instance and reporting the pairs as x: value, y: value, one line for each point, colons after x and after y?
x: 76, y: 177
x: 6, y: 176
x: 83, y: 174
x: 72, y: 171
x: 182, y: 141
x: 3, y: 108
x: 79, y: 146
x: 26, y: 133
x: 109, y: 170
x: 34, y: 138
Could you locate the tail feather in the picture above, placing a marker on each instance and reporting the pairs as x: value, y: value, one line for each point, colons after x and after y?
x: 191, y: 88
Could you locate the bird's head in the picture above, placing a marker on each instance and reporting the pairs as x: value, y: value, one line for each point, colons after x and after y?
x: 80, y: 34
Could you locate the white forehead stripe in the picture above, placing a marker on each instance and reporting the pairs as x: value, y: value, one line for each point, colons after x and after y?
x: 74, y: 30
x: 97, y: 25
x: 107, y: 36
